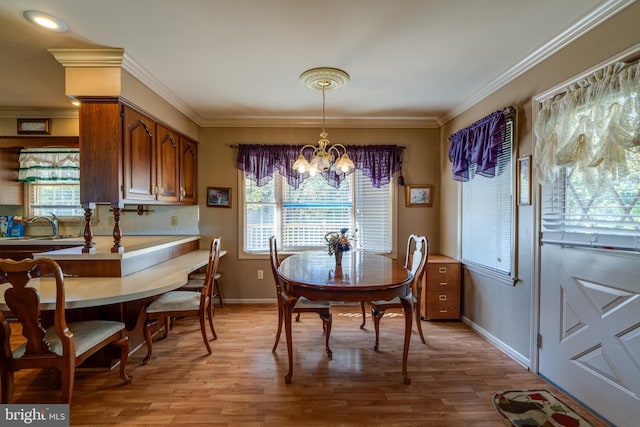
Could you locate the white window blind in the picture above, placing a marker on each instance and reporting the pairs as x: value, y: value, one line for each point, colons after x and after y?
x: 487, y: 213
x: 574, y: 216
x: 301, y: 217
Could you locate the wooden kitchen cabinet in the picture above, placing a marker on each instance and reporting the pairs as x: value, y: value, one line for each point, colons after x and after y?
x: 441, y: 293
x: 126, y: 156
x: 11, y: 192
x: 188, y: 171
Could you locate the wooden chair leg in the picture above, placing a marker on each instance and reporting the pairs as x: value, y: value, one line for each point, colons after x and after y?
x: 419, y: 323
x: 216, y: 289
x: 210, y: 317
x: 364, y: 315
x: 147, y: 337
x: 326, y: 322
x: 167, y: 326
x: 123, y: 343
x: 203, y: 329
x: 68, y: 376
x: 7, y: 386
x: 298, y: 317
x: 280, y: 320
x: 377, y: 315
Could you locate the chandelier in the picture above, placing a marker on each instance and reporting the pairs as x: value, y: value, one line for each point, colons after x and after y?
x: 326, y: 155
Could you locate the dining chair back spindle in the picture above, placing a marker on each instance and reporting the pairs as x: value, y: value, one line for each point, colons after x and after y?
x: 185, y: 303
x: 303, y: 305
x: 62, y: 346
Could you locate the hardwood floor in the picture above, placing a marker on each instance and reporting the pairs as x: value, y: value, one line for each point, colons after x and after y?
x: 242, y: 383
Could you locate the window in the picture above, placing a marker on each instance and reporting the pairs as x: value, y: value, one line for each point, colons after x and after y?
x: 487, y: 212
x: 52, y: 176
x: 301, y: 217
x: 59, y: 199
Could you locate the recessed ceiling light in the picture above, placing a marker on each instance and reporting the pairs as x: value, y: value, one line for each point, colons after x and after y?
x: 47, y: 21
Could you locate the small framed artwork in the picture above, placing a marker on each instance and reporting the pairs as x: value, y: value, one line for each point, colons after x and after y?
x: 418, y: 195
x: 34, y: 127
x: 524, y: 180
x: 218, y: 197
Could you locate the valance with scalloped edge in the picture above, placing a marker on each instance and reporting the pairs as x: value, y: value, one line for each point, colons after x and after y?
x: 378, y: 162
x: 594, y: 127
x: 49, y: 165
x: 479, y: 144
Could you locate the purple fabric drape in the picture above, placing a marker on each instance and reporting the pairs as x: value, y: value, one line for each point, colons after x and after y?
x: 378, y: 162
x: 479, y: 144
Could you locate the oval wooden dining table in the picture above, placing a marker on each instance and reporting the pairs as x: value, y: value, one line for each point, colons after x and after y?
x: 361, y: 277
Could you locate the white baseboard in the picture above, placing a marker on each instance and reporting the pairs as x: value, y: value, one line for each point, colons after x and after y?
x: 518, y: 357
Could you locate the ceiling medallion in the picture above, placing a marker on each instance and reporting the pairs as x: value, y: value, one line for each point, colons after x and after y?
x: 324, y: 78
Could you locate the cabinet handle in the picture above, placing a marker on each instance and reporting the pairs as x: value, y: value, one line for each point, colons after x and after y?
x: 442, y: 297
x: 443, y: 283
x: 443, y: 311
x: 442, y: 270
x: 154, y: 189
x: 182, y: 193
x: 160, y: 190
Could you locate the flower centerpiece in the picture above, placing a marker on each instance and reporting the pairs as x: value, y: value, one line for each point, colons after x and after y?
x: 337, y: 243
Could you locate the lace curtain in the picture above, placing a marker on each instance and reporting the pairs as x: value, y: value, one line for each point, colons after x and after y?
x: 378, y: 162
x: 49, y: 165
x: 479, y: 144
x: 592, y: 127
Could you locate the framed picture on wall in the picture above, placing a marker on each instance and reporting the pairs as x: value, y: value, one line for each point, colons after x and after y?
x: 218, y: 197
x: 418, y: 195
x: 524, y: 180
x: 33, y: 127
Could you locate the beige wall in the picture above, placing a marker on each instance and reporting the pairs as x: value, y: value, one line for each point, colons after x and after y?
x: 217, y: 168
x: 504, y: 312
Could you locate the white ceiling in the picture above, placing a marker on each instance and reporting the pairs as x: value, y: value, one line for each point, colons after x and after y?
x: 417, y: 62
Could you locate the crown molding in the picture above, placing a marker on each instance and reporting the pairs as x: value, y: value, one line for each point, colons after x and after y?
x: 30, y: 113
x: 588, y: 22
x: 349, y: 123
x: 111, y: 57
x: 149, y: 80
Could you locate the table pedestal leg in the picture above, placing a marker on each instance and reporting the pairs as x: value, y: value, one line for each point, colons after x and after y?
x: 289, y: 302
x: 407, y: 307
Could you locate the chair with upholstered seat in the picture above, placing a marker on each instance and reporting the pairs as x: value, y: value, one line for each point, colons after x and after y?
x: 185, y: 303
x: 415, y: 260
x: 62, y: 346
x: 196, y: 283
x: 303, y: 305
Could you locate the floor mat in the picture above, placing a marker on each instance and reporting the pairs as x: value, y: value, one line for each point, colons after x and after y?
x: 536, y: 408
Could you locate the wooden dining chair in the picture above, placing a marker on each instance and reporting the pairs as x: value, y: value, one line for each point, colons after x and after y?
x: 415, y: 260
x: 303, y: 305
x: 63, y: 346
x: 185, y: 303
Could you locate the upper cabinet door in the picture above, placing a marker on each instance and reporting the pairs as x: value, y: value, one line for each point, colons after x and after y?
x: 188, y: 171
x: 168, y: 153
x: 139, y: 157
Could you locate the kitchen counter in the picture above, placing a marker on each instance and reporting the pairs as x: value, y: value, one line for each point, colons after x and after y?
x: 137, y: 253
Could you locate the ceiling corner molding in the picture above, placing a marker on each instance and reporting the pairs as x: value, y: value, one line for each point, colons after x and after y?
x: 588, y: 22
x: 307, y: 122
x: 149, y: 80
x: 32, y: 113
x: 111, y: 57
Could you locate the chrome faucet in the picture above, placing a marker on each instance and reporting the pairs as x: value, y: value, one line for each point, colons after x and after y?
x: 53, y: 221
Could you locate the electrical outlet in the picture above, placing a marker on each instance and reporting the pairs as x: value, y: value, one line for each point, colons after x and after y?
x: 260, y: 274
x: 174, y: 221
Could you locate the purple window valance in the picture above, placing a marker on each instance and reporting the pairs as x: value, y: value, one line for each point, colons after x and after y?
x: 259, y: 162
x: 479, y: 144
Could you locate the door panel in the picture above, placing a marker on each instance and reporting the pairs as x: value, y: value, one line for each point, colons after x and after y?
x: 590, y: 327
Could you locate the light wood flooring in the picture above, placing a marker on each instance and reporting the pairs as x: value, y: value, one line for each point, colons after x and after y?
x: 242, y: 383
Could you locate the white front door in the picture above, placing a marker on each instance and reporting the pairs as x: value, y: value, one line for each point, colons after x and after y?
x: 590, y: 329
